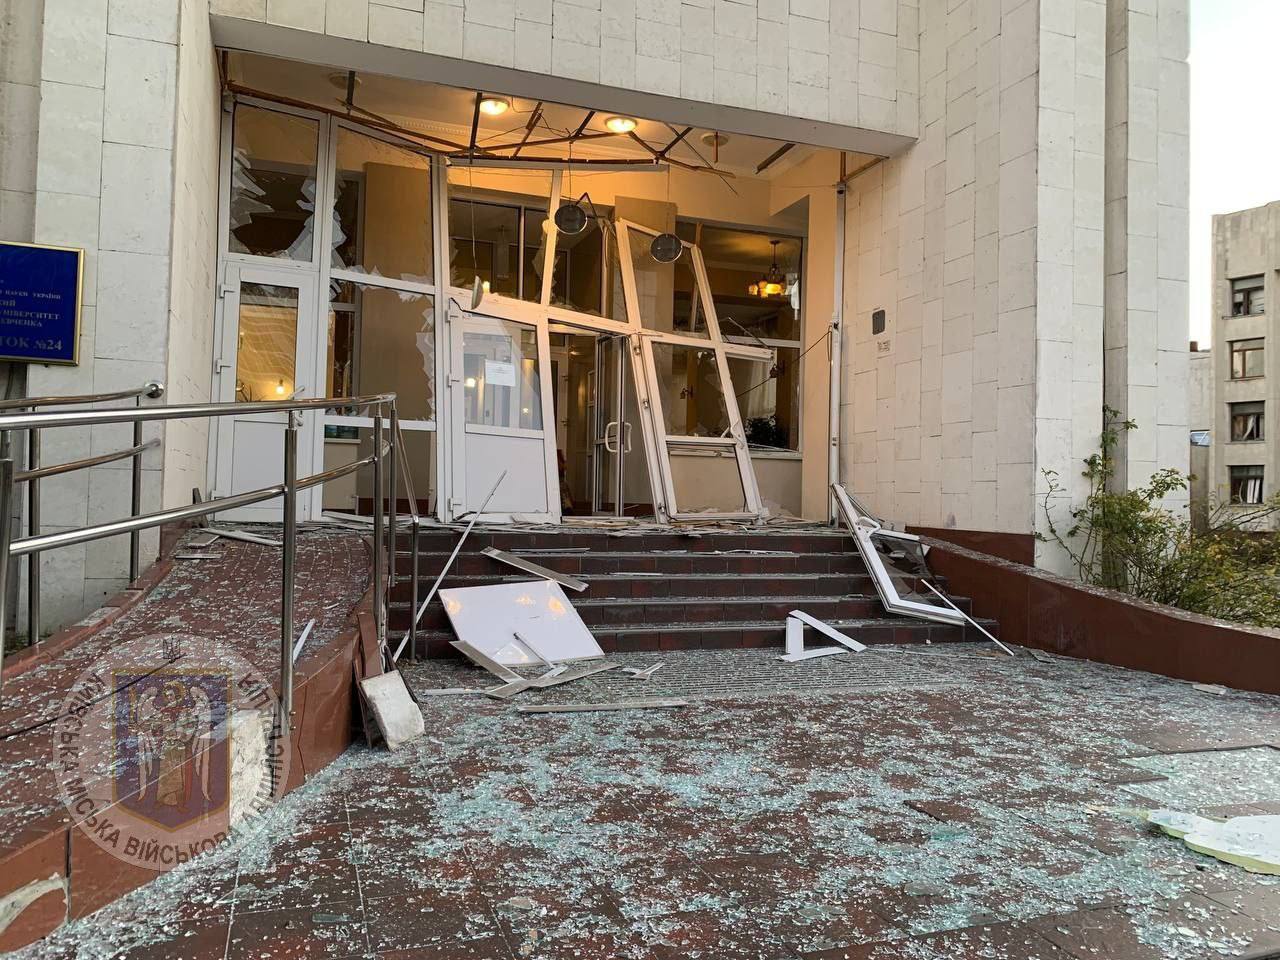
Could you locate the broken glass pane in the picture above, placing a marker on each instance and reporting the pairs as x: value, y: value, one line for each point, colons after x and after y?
x: 667, y: 294
x: 273, y: 184
x: 707, y: 479
x: 691, y: 393
x: 382, y: 209
x: 383, y: 341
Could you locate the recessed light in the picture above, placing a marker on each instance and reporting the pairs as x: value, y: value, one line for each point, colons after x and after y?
x: 494, y: 106
x: 620, y: 124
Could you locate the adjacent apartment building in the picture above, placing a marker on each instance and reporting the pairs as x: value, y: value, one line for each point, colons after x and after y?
x: 918, y: 246
x: 1246, y: 255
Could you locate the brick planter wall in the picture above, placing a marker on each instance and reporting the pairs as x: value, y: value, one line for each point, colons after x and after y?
x: 1048, y: 612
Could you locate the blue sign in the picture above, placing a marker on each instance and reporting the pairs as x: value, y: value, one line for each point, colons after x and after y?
x: 40, y: 303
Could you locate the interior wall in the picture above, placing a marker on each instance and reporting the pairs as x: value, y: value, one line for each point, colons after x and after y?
x: 810, y: 186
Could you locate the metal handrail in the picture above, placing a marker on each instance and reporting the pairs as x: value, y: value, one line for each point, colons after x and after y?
x: 81, y: 418
x: 153, y: 389
x: 414, y: 525
x: 35, y: 543
x: 57, y: 469
x: 68, y: 538
x: 34, y: 473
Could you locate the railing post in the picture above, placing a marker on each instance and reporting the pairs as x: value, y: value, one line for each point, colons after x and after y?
x: 135, y: 538
x: 6, y: 532
x: 287, y: 562
x: 391, y: 496
x: 33, y: 529
x: 413, y: 596
x: 379, y: 603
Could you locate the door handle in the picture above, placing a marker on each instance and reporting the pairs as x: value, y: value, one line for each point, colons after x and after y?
x: 611, y: 432
x: 626, y: 437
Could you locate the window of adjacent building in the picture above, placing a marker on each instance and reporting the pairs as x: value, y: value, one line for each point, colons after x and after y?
x: 1246, y: 359
x: 1246, y: 484
x: 1247, y: 420
x: 273, y: 184
x: 736, y: 261
x: 1247, y: 297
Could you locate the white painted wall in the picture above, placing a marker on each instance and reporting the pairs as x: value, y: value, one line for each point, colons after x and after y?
x: 195, y: 252
x: 828, y: 60
x: 20, y: 28
x: 112, y: 140
x: 984, y: 244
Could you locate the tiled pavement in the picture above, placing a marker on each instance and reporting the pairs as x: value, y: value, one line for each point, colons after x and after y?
x: 932, y: 802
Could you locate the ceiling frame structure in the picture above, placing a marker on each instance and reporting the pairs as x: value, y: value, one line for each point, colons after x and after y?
x: 473, y: 150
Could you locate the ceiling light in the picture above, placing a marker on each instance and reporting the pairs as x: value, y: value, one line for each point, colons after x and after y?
x: 620, y: 124
x: 494, y: 106
x: 774, y: 282
x: 714, y: 139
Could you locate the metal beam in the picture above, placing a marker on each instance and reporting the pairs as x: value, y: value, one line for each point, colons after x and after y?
x: 680, y: 136
x: 475, y: 123
x: 528, y: 127
x: 774, y: 157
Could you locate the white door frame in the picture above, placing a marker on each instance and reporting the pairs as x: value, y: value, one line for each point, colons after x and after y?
x: 736, y: 439
x: 235, y: 275
x: 493, y: 312
x: 318, y: 272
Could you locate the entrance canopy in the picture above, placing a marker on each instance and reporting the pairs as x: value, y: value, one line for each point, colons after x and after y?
x: 613, y: 310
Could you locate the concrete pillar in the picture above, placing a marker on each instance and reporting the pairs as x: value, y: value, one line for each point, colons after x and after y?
x: 1146, y: 170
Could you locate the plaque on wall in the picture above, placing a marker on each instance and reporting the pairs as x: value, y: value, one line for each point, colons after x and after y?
x: 40, y: 302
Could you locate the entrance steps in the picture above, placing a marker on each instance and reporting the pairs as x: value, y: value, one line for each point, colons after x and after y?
x: 676, y: 591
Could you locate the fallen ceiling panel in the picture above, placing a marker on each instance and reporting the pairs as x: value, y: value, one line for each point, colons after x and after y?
x: 490, y: 617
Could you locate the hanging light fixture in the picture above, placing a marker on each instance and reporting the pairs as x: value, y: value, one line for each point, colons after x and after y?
x: 620, y: 124
x: 494, y: 106
x: 773, y: 283
x: 666, y: 248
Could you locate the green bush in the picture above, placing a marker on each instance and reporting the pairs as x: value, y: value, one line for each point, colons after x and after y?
x: 1127, y: 540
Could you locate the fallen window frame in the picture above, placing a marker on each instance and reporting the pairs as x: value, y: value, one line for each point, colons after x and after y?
x: 863, y: 526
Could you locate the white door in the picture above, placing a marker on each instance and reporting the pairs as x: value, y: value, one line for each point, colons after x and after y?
x: 267, y: 353
x: 502, y: 411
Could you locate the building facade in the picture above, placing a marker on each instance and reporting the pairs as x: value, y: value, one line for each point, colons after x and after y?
x: 1200, y: 407
x: 921, y: 245
x: 1246, y: 245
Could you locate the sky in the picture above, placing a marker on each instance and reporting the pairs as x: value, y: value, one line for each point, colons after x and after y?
x: 1235, y: 141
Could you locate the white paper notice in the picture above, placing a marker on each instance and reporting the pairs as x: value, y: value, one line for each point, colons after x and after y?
x: 499, y: 374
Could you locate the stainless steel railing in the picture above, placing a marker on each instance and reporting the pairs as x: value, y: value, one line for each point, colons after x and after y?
x: 35, y: 473
x: 380, y: 406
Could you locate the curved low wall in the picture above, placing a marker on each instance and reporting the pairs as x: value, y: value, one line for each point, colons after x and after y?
x: 51, y: 871
x: 1048, y: 612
